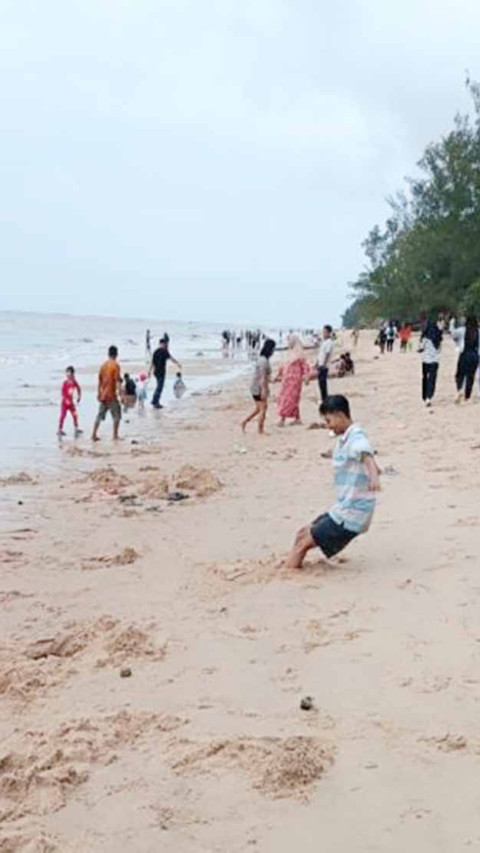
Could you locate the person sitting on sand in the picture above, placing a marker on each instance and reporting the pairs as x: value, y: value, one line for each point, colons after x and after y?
x: 109, y: 391
x: 69, y: 388
x: 293, y: 374
x: 129, y: 392
x: 356, y: 480
x: 260, y: 387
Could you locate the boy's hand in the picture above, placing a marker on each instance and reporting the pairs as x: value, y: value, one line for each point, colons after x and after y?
x: 373, y: 474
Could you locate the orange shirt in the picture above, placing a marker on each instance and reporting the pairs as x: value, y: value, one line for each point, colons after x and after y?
x: 108, y: 380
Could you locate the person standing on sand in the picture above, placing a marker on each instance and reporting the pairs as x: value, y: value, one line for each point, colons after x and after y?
x: 260, y: 387
x: 292, y: 375
x: 324, y: 359
x: 391, y: 335
x: 405, y: 334
x: 159, y: 368
x: 430, y: 344
x: 467, y: 339
x: 356, y: 481
x: 69, y: 388
x: 148, y: 343
x: 109, y: 392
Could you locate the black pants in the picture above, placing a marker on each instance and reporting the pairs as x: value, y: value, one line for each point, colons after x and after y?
x: 323, y: 382
x: 160, y: 380
x: 390, y: 343
x: 429, y: 380
x: 466, y: 370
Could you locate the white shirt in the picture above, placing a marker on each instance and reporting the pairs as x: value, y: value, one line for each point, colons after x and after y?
x: 430, y: 354
x: 325, y: 353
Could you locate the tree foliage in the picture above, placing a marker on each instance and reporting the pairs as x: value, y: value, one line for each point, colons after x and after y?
x: 426, y: 258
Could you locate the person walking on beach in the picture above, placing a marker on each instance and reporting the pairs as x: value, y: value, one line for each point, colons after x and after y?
x: 260, y: 387
x: 467, y: 339
x: 70, y: 389
x: 430, y: 344
x: 293, y: 374
x: 324, y: 359
x: 382, y: 338
x: 159, y: 368
x: 109, y: 392
x: 356, y: 481
x: 391, y: 335
x: 148, y: 343
x: 405, y: 334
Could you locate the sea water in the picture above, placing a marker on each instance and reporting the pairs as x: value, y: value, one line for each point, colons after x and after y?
x: 35, y: 349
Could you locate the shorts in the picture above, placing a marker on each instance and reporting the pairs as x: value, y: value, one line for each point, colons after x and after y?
x: 330, y: 537
x: 257, y: 398
x: 114, y: 408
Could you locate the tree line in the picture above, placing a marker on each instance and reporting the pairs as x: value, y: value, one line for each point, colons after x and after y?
x: 426, y: 258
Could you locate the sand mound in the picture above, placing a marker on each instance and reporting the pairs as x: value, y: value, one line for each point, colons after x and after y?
x: 130, y: 643
x: 156, y: 489
x: 201, y: 481
x: 40, y: 771
x: 20, y: 479
x: 27, y: 673
x: 125, y: 558
x: 107, y: 479
x: 38, y: 843
x: 278, y: 767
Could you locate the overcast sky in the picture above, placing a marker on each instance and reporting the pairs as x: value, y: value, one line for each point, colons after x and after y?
x: 213, y: 159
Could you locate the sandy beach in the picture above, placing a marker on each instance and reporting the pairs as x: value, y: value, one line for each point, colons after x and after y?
x: 154, y: 654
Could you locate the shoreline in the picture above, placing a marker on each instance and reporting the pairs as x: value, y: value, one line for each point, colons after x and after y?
x: 202, y: 745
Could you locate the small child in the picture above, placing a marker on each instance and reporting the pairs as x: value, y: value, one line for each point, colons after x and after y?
x: 69, y: 388
x: 356, y: 481
x: 179, y: 387
x: 142, y: 390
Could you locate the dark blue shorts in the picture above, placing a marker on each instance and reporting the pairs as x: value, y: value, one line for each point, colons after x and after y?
x: 330, y: 537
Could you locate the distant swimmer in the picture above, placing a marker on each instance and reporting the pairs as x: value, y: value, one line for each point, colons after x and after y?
x: 109, y: 394
x: 356, y: 482
x: 70, y: 390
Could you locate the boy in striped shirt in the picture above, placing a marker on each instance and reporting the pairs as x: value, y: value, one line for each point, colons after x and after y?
x: 356, y: 480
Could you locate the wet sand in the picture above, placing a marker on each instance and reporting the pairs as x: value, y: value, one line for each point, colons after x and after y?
x: 154, y: 654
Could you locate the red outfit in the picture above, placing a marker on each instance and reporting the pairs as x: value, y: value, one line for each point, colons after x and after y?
x: 68, y: 389
x: 293, y: 375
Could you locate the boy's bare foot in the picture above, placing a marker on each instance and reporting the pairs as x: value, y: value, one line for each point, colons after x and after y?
x: 244, y: 427
x: 95, y: 438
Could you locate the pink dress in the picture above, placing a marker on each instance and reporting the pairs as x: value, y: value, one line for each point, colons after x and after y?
x: 293, y: 375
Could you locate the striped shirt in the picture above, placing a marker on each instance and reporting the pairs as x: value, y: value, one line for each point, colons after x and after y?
x: 355, y: 502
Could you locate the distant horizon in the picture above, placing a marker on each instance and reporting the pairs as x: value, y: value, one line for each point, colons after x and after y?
x: 145, y: 320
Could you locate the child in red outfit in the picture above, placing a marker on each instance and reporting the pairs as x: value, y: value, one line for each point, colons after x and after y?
x: 69, y: 388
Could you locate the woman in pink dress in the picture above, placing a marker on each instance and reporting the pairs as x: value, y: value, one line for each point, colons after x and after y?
x: 293, y: 374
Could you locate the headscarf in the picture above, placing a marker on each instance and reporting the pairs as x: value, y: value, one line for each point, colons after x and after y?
x: 432, y: 333
x: 295, y: 348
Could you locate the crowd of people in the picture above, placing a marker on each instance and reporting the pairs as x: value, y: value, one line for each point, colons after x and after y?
x: 465, y: 336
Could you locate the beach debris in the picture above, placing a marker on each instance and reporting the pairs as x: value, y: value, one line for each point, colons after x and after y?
x: 176, y: 496
x: 390, y: 471
x: 316, y: 425
x: 327, y: 454
x: 307, y: 703
x: 128, y: 500
x: 125, y: 672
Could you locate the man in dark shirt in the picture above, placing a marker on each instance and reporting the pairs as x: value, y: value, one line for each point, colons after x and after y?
x: 159, y: 368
